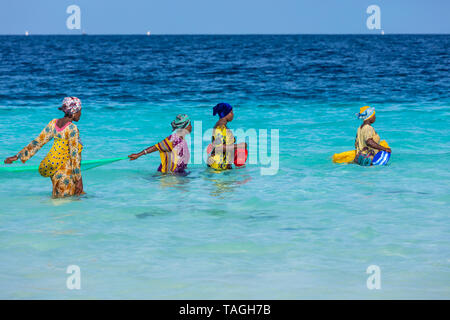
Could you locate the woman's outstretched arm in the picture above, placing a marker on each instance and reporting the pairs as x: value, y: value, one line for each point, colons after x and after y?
x: 148, y: 150
x: 34, y: 146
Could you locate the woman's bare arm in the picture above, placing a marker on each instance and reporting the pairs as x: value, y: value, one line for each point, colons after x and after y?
x: 148, y: 150
x: 375, y: 145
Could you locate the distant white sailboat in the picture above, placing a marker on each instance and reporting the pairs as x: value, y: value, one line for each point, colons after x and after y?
x: 148, y: 33
x: 382, y: 32
x: 27, y: 33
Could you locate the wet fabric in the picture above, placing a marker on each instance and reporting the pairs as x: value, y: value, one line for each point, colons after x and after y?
x: 174, y: 154
x: 62, y: 163
x: 222, y: 137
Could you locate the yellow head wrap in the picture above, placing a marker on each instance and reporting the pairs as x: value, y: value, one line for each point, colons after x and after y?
x: 366, y: 112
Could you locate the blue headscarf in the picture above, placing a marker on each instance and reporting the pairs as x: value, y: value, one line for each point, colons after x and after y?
x: 222, y: 109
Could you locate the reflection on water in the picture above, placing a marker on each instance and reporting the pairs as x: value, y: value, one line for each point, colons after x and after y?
x: 224, y: 182
x: 61, y: 201
x: 171, y: 180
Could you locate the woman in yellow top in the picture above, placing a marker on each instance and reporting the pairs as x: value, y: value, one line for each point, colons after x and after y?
x: 367, y: 142
x: 223, y: 141
x: 62, y: 163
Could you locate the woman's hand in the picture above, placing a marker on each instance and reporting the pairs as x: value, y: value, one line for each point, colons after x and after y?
x: 149, y: 150
x: 242, y: 145
x: 11, y: 159
x: 79, y: 187
x: 134, y: 156
x: 377, y: 146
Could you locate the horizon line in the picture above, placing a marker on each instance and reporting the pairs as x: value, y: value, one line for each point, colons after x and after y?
x: 209, y: 34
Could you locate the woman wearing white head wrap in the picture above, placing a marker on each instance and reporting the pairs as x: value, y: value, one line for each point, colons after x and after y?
x: 62, y: 163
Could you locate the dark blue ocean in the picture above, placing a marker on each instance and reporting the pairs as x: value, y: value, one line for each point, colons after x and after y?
x: 242, y: 69
x: 308, y: 230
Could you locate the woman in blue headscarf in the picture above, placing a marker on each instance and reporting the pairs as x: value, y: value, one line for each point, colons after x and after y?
x: 223, y: 141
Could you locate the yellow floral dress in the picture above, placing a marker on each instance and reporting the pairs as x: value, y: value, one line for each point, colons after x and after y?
x: 62, y: 163
x: 221, y: 161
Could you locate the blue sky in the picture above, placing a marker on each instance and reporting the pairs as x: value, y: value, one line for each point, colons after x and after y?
x: 223, y: 17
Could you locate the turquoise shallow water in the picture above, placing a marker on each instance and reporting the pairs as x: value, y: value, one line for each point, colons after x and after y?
x: 309, y: 231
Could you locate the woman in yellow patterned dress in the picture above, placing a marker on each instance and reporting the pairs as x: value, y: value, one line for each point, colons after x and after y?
x: 223, y: 141
x: 62, y: 163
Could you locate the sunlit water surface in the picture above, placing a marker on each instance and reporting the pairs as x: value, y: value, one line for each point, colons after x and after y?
x: 309, y: 231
